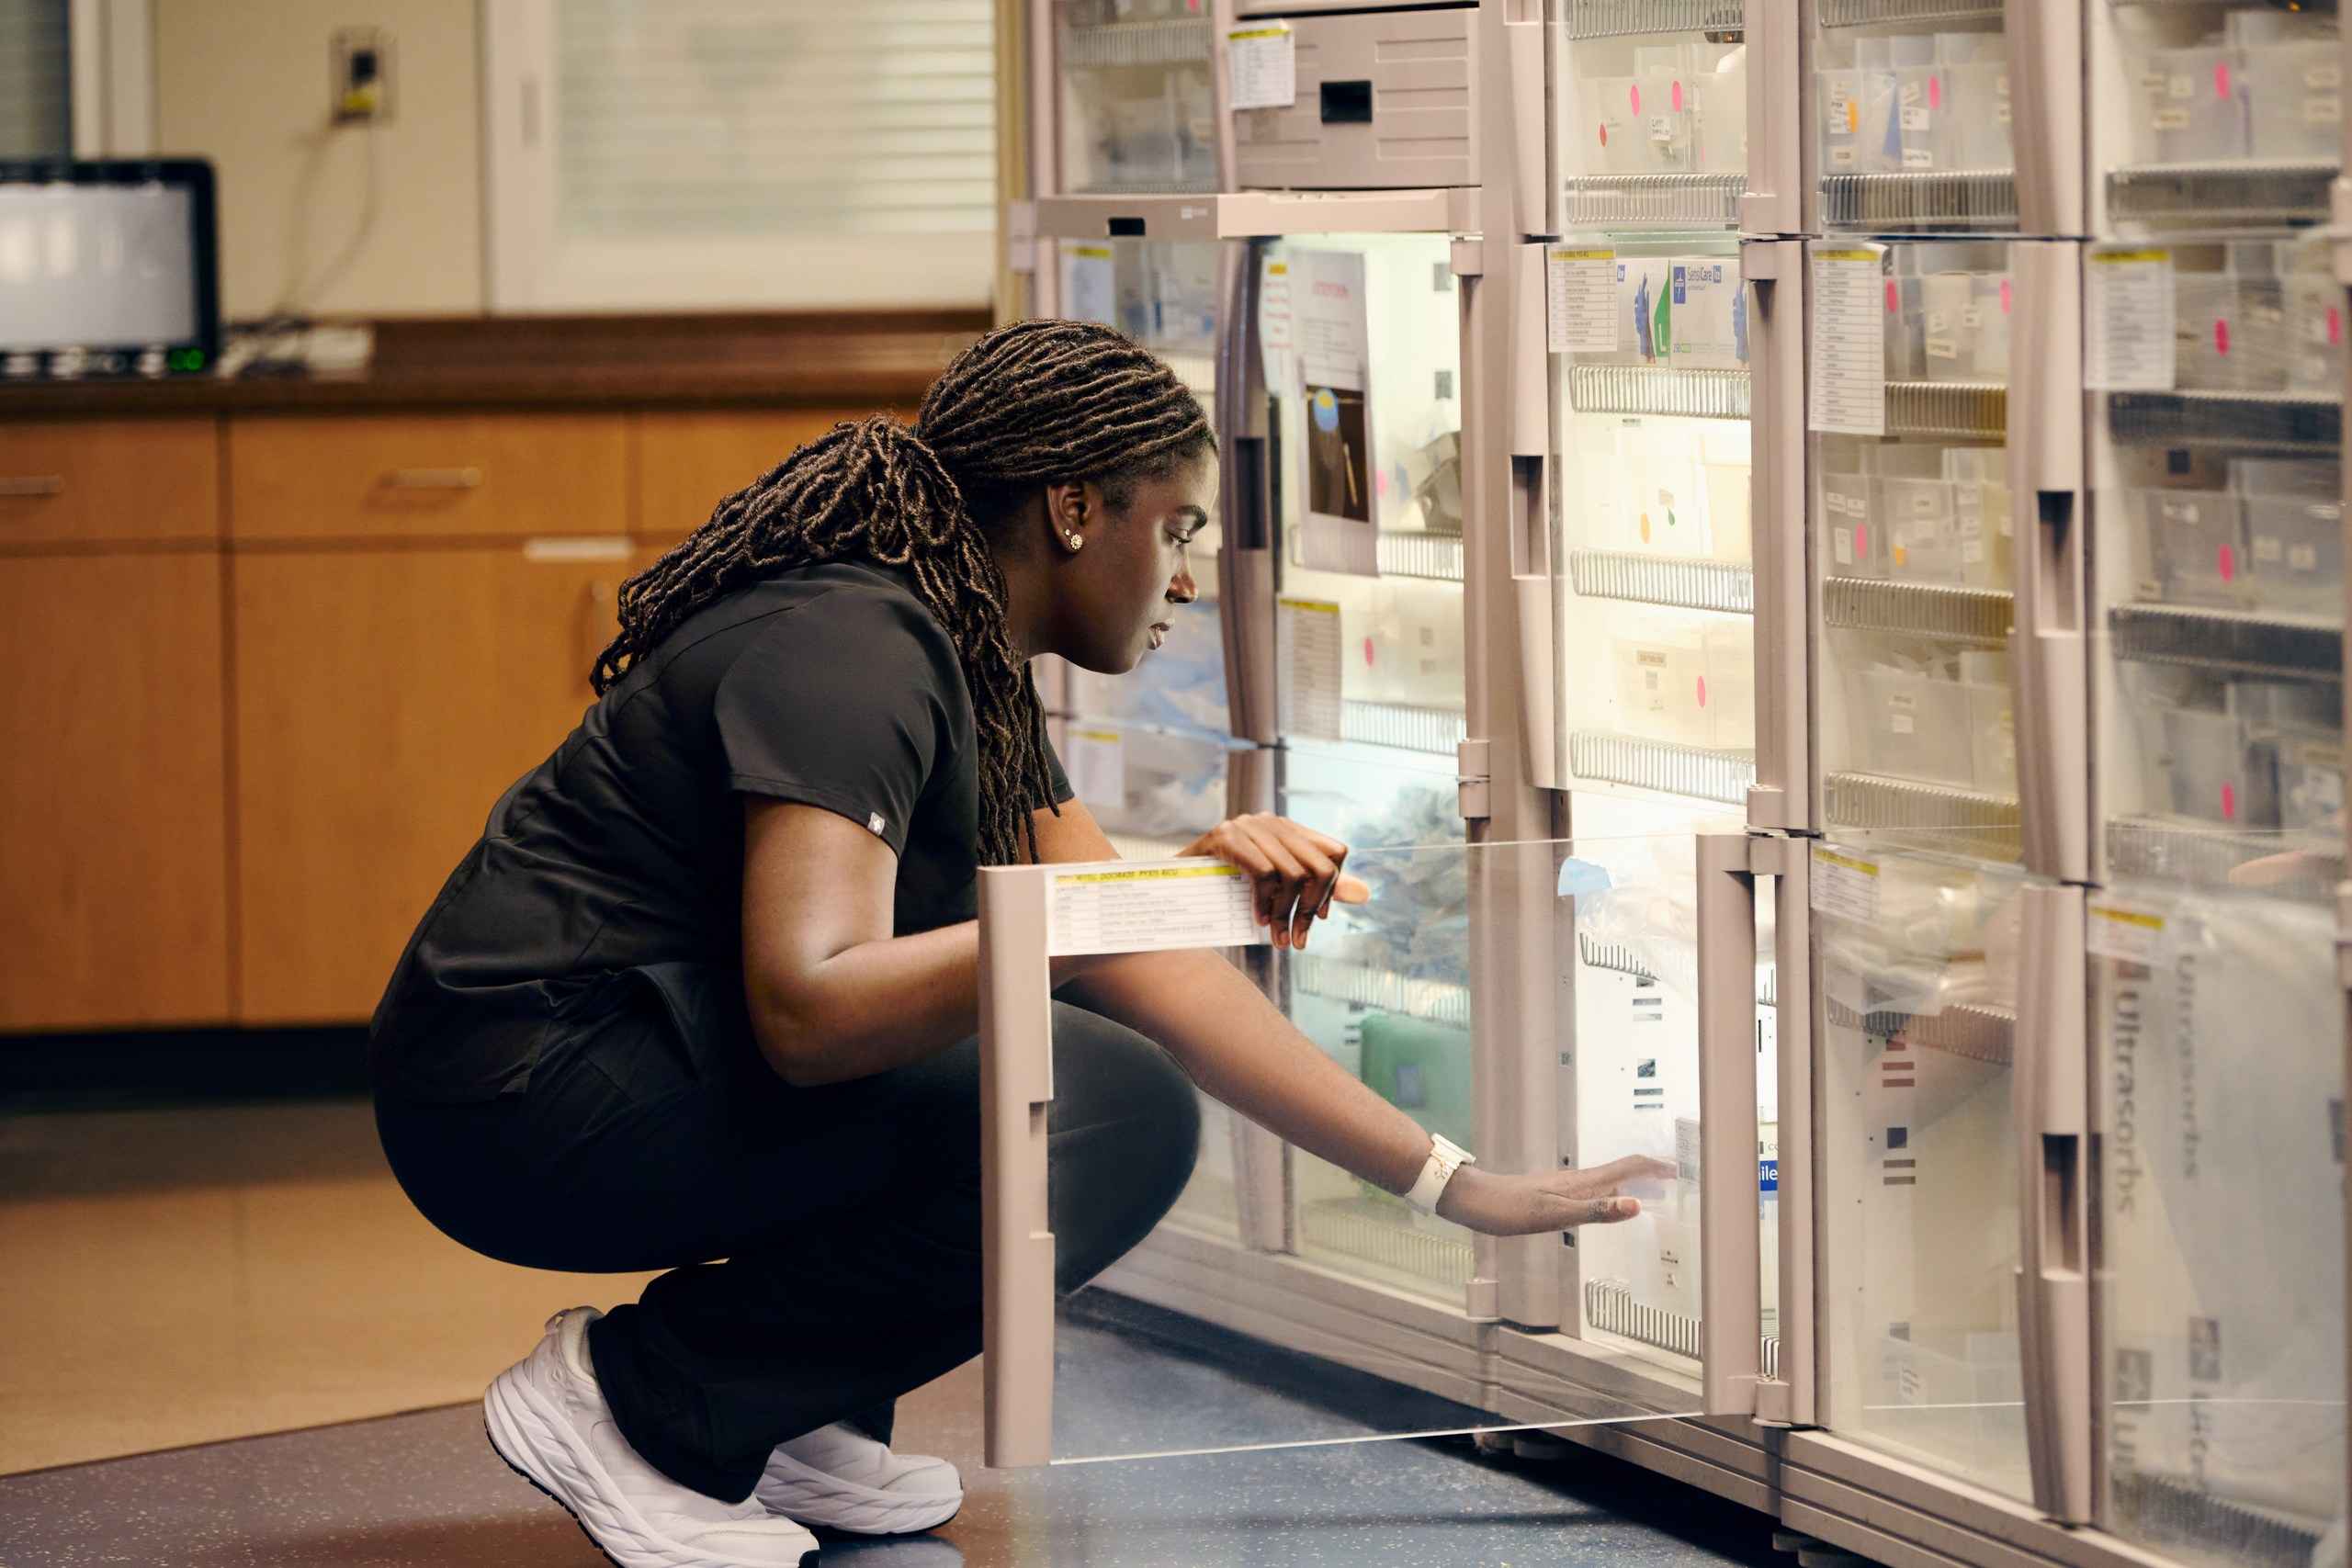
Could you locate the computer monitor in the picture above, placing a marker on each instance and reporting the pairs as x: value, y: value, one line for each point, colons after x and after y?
x: 107, y: 267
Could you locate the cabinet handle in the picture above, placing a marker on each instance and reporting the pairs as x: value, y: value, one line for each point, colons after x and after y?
x: 32, y: 486
x: 434, y: 478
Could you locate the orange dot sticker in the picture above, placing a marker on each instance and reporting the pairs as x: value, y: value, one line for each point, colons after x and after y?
x: 1853, y: 116
x: 1645, y: 527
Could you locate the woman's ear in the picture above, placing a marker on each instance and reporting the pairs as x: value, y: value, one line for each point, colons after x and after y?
x: 1071, y: 515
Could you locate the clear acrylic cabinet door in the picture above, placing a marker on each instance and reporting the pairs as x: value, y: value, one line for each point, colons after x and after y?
x: 1649, y: 114
x: 1908, y: 108
x: 1652, y: 455
x: 1137, y: 99
x: 2217, y: 516
x: 2212, y: 114
x: 1418, y: 1032
x: 2218, y: 1283
x: 1913, y: 537
x: 1162, y: 294
x: 1917, y: 960
x: 1363, y: 371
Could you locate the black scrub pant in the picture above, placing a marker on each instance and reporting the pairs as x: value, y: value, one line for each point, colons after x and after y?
x: 823, y: 1243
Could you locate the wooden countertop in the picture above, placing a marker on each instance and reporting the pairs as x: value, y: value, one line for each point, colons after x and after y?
x: 881, y: 358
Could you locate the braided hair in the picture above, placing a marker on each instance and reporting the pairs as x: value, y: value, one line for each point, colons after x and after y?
x: 1027, y: 405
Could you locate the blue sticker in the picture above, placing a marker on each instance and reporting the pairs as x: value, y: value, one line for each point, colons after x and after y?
x: 1768, y: 1176
x: 1582, y: 877
x: 1325, y: 409
x: 1681, y: 285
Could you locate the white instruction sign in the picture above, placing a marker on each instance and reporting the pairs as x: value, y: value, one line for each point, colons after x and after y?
x: 1277, y: 336
x: 1845, y: 887
x: 2125, y: 932
x: 1148, y: 907
x: 1090, y: 284
x: 2127, y: 319
x: 1096, y: 763
x: 1307, y: 652
x: 1263, y: 58
x: 1580, y: 300
x: 1851, y: 297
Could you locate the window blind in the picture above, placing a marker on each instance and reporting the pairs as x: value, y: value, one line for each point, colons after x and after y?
x: 36, y: 80
x: 743, y: 119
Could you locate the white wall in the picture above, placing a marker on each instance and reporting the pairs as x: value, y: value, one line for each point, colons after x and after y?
x: 245, y: 84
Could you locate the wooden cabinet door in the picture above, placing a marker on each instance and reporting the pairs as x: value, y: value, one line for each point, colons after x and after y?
x: 427, y: 476
x: 688, y: 463
x: 386, y: 699
x: 114, y: 906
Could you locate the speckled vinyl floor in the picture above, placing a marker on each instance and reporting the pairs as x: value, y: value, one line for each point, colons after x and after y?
x: 183, y: 1274
x: 424, y: 1491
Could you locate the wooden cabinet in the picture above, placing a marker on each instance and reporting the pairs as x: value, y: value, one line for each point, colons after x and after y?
x: 86, y: 482
x: 113, y: 908
x: 385, y: 699
x: 427, y: 476
x: 688, y: 463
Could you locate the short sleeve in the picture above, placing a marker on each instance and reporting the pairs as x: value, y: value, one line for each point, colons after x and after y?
x: 845, y: 702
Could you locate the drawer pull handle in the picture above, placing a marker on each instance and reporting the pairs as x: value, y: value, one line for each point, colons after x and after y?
x: 434, y: 478
x: 32, y: 485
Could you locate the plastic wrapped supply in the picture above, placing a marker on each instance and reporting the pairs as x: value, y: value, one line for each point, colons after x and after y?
x: 1438, y: 490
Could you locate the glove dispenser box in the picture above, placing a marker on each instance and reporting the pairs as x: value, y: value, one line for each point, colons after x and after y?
x: 1387, y: 100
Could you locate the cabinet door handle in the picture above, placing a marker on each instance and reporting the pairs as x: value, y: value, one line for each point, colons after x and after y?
x: 434, y: 478
x: 32, y: 486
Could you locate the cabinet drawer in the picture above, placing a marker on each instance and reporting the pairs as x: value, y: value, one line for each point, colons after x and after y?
x: 427, y: 476
x: 72, y: 481
x: 688, y: 463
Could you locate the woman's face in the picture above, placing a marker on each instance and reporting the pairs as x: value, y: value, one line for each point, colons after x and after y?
x: 1116, y: 588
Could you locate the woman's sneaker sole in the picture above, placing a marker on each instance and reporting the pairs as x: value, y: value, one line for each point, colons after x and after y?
x: 512, y: 1420
x: 809, y: 1496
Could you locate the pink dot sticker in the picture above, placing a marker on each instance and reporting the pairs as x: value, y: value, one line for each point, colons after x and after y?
x: 1604, y: 134
x: 2229, y: 803
x: 1935, y: 91
x: 2221, y: 78
x: 2225, y: 561
x: 1367, y: 652
x: 1893, y: 300
x: 2005, y: 297
x: 2335, y: 326
x: 1862, y: 539
x: 1633, y: 91
x: 2221, y: 334
x: 1702, y: 691
x: 1678, y: 98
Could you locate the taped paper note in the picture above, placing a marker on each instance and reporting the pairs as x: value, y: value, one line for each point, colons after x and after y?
x: 1148, y: 907
x: 2124, y: 932
x: 2127, y: 319
x: 1307, y: 649
x: 1096, y: 763
x: 1581, y: 296
x: 1849, y: 372
x: 1845, y: 887
x: 1263, y: 58
x: 1089, y: 283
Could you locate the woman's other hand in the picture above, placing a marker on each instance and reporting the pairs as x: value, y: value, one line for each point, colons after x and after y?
x: 1545, y: 1200
x: 1295, y: 871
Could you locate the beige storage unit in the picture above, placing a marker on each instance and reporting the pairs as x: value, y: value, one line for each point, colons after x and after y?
x: 1385, y: 100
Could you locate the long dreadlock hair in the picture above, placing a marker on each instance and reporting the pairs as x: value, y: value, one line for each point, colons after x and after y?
x: 1026, y: 405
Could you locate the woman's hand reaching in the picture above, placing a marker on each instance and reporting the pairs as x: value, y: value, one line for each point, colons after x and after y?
x: 1545, y: 1200
x: 1295, y: 870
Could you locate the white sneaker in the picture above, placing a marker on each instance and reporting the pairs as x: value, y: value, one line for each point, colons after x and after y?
x: 839, y: 1477
x: 548, y: 1420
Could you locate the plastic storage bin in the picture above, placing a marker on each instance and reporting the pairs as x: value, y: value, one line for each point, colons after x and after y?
x: 1690, y: 687
x: 2192, y: 109
x: 1980, y: 497
x: 2295, y: 102
x: 2196, y: 545
x: 2210, y: 767
x: 2295, y: 554
x: 1924, y: 543
x: 2310, y: 779
x: 1918, y: 726
x: 2314, y: 329
x: 2228, y: 332
x: 1857, y: 549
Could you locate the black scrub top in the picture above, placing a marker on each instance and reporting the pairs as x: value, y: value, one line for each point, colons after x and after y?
x: 621, y: 856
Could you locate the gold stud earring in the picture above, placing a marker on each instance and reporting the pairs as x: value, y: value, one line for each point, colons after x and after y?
x: 1076, y: 539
